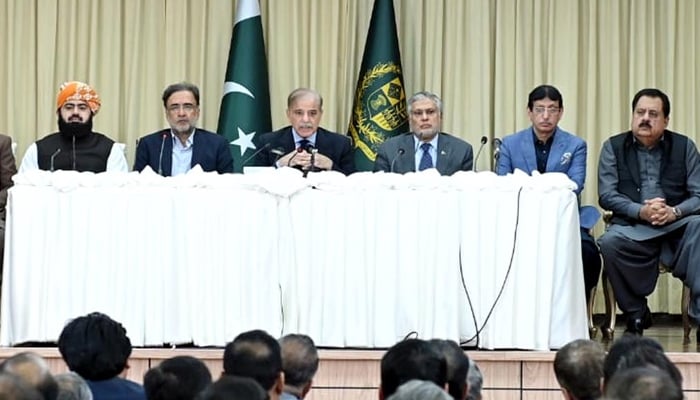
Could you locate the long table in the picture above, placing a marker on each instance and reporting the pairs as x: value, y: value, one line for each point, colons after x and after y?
x: 358, y: 261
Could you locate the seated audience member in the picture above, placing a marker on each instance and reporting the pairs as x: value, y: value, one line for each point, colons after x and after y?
x: 97, y: 348
x: 72, y: 387
x: 419, y: 390
x: 545, y: 147
x: 255, y: 354
x: 177, y: 378
x: 578, y: 367
x: 649, y: 177
x: 636, y: 351
x: 7, y: 169
x: 176, y: 150
x: 642, y: 383
x: 75, y: 147
x: 411, y: 359
x: 474, y: 381
x: 304, y: 144
x: 299, y: 364
x: 14, y: 388
x: 34, y: 371
x: 234, y: 388
x: 457, y: 367
x: 425, y: 146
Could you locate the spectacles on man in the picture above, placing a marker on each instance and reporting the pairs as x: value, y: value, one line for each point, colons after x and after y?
x: 188, y: 107
x: 419, y: 113
x: 549, y: 110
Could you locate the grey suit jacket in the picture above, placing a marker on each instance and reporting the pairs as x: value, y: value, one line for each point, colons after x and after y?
x: 398, y: 155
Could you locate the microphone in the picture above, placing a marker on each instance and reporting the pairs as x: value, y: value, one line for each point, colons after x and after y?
x: 497, y: 151
x: 74, y: 152
x: 420, y: 139
x: 399, y: 153
x: 258, y: 151
x: 53, y: 157
x: 484, y: 139
x: 160, y: 156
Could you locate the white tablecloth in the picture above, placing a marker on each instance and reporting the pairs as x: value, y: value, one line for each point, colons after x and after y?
x: 358, y: 261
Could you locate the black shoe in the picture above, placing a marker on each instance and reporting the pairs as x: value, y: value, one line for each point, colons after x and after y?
x: 636, y: 326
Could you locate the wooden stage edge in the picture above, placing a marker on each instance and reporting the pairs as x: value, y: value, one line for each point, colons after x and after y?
x: 354, y: 374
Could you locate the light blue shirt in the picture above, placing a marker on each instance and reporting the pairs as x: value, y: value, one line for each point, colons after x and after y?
x: 182, y: 154
x: 419, y: 151
x: 298, y: 138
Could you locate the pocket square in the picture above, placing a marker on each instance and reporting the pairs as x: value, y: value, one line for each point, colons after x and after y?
x: 565, y: 158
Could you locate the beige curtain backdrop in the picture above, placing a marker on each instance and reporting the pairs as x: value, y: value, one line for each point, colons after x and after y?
x: 481, y: 56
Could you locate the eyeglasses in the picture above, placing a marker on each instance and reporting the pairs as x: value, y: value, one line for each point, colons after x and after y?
x: 419, y: 113
x: 549, y: 110
x: 188, y: 107
x: 653, y: 114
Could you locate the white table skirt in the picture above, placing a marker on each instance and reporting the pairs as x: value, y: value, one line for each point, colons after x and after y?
x: 358, y: 261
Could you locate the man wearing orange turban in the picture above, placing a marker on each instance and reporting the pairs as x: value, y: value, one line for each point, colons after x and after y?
x: 75, y: 146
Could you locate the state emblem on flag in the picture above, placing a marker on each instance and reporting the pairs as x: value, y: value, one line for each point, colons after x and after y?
x: 380, y: 107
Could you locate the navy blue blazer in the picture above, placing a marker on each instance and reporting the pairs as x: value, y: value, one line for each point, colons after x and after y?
x: 333, y: 145
x: 209, y: 150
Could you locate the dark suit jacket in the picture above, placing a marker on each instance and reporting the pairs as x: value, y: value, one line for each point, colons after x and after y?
x: 209, y: 150
x: 453, y: 154
x: 333, y: 145
x: 8, y: 167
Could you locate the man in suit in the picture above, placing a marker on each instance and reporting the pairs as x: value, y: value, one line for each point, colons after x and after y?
x: 176, y: 150
x: 304, y: 144
x: 425, y: 146
x: 75, y: 146
x: 545, y: 147
x: 257, y: 355
x: 649, y: 177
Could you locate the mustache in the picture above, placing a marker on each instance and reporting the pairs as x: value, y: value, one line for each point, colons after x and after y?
x: 645, y: 125
x: 306, y: 126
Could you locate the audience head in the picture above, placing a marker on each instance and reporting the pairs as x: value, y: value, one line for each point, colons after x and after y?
x: 419, y: 390
x: 638, y: 351
x: 13, y: 387
x: 578, y: 367
x: 304, y: 111
x: 177, y: 378
x: 299, y: 363
x: 457, y: 367
x: 95, y: 346
x: 411, y: 359
x: 474, y: 381
x: 256, y: 354
x: 642, y: 383
x: 72, y: 387
x: 33, y: 370
x: 425, y: 115
x: 234, y: 388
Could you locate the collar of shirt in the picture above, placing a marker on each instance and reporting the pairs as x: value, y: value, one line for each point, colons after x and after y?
x: 177, y: 144
x: 418, y: 153
x: 549, y: 141
x: 298, y: 138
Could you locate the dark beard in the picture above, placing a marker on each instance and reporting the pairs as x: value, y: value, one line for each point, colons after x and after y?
x: 78, y: 129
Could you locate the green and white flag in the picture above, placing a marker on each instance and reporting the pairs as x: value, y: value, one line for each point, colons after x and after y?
x: 245, y: 105
x: 379, y: 108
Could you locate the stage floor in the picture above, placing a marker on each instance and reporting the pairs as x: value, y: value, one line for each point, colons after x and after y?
x: 352, y: 374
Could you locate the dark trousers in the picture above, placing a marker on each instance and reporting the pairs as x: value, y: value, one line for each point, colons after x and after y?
x: 591, y: 262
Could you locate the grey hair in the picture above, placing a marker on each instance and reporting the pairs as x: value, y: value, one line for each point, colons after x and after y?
x: 475, y: 380
x: 303, y: 92
x: 72, y: 387
x: 425, y: 95
x: 420, y: 390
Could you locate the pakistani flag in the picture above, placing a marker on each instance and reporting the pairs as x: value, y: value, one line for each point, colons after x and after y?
x: 245, y: 106
x: 379, y: 107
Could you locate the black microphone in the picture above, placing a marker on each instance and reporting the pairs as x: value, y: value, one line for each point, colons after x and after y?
x: 258, y: 151
x: 496, y: 152
x: 484, y: 139
x: 53, y: 157
x: 420, y: 139
x: 74, y: 152
x: 160, y: 156
x: 399, y: 153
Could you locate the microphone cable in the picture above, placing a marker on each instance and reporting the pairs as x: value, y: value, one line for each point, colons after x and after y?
x: 503, y: 285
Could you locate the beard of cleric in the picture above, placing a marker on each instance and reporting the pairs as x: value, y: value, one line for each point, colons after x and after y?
x: 78, y: 129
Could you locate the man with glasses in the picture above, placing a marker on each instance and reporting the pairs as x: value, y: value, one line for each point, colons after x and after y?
x: 75, y: 147
x: 425, y: 146
x: 544, y: 147
x: 649, y: 178
x: 175, y: 151
x: 304, y: 144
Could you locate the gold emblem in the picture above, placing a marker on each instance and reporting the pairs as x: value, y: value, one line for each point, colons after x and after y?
x: 384, y: 109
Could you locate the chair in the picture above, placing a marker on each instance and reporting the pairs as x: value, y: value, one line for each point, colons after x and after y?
x: 608, y: 327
